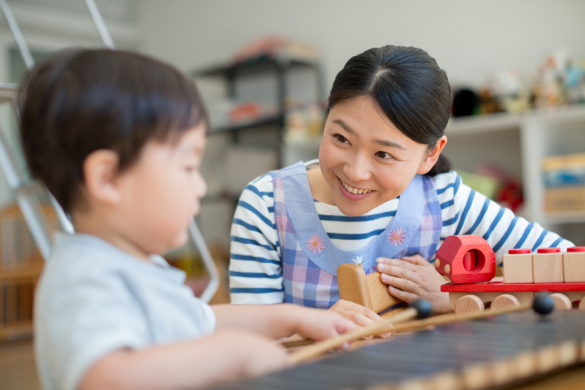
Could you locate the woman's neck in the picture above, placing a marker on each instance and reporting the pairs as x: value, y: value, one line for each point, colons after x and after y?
x: 319, y: 187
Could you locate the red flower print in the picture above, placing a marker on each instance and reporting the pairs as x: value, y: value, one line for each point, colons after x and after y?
x: 397, y: 236
x: 315, y: 243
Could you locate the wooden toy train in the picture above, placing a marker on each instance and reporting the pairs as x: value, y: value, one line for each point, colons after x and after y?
x: 470, y: 263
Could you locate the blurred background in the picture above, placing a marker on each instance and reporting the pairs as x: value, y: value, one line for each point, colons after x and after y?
x: 264, y: 67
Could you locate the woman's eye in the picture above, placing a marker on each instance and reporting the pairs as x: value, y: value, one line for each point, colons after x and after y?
x: 384, y: 155
x: 340, y: 138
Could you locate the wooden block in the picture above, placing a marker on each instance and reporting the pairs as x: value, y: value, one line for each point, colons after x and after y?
x: 353, y: 284
x: 574, y: 264
x: 380, y: 298
x: 466, y: 259
x: 547, y: 265
x: 368, y: 291
x: 518, y: 266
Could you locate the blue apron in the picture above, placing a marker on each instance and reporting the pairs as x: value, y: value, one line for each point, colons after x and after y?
x: 310, y: 260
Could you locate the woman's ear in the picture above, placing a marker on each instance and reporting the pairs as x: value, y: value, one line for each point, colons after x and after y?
x: 100, y: 171
x: 432, y: 155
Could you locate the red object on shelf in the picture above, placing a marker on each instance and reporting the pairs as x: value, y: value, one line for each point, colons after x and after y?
x: 466, y: 259
x: 245, y: 111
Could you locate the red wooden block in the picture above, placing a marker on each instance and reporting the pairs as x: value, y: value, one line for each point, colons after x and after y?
x: 466, y: 259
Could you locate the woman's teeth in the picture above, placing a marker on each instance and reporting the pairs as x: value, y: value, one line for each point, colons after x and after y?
x: 355, y: 191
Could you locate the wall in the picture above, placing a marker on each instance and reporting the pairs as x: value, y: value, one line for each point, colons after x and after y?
x: 469, y: 39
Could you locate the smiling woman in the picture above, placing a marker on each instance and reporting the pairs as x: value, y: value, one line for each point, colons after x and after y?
x: 381, y: 195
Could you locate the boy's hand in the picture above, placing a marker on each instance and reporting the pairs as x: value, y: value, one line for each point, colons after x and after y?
x: 262, y: 355
x: 358, y: 314
x: 413, y: 277
x: 319, y: 324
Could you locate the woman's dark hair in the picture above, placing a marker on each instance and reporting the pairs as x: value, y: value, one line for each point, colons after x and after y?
x: 79, y: 101
x: 409, y: 87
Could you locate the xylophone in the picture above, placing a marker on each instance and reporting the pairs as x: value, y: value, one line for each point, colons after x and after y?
x: 491, y: 352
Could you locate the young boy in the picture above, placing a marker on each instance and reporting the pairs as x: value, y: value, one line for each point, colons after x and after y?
x: 118, y: 138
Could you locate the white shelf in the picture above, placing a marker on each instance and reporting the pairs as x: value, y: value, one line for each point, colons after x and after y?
x: 7, y: 92
x: 518, y: 144
x: 502, y: 121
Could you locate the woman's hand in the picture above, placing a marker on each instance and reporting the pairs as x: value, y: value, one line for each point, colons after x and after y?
x: 413, y: 277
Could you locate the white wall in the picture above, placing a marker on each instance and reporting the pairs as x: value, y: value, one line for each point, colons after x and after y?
x: 469, y: 39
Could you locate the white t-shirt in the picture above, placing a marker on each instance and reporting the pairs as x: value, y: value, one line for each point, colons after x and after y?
x: 93, y: 299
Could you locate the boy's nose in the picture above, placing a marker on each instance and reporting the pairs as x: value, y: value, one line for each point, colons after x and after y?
x: 200, y: 187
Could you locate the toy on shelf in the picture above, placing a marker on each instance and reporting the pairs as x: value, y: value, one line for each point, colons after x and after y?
x: 469, y: 262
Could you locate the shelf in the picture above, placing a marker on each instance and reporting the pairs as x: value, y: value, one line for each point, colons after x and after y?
x: 272, y: 120
x: 565, y: 217
x: 13, y: 331
x: 478, y: 124
x: 259, y: 65
x: 7, y: 92
x: 18, y: 272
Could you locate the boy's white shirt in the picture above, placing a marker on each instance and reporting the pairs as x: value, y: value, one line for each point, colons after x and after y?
x: 93, y: 299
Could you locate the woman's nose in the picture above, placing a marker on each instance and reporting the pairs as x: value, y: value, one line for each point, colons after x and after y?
x: 358, y: 169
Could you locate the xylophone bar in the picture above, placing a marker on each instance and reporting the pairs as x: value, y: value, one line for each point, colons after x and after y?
x: 464, y: 355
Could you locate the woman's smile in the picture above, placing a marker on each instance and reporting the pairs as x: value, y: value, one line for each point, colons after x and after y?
x: 353, y: 193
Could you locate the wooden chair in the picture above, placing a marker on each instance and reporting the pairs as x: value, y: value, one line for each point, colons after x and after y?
x: 366, y: 290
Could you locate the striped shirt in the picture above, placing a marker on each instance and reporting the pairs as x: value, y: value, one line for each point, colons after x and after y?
x: 255, y: 268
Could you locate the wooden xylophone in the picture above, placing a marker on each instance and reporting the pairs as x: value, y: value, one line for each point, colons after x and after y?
x: 492, y: 352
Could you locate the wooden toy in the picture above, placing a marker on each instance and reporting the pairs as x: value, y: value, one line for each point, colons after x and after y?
x: 546, y: 267
x: 466, y: 259
x: 518, y: 266
x: 366, y: 290
x: 574, y: 264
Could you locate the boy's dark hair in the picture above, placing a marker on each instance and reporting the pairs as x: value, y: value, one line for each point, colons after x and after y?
x: 409, y: 87
x: 79, y: 101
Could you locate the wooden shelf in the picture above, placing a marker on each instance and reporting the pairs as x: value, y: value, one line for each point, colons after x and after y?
x: 13, y: 331
x: 18, y: 272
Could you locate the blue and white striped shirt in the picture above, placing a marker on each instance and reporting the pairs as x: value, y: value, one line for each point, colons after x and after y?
x: 255, y: 269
